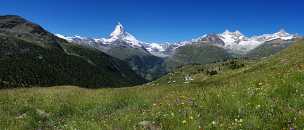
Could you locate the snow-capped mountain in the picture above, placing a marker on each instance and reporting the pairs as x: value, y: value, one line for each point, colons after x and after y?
x: 282, y: 35
x: 237, y: 42
x: 79, y: 39
x: 119, y: 37
x: 234, y: 42
x: 119, y: 33
x: 231, y: 38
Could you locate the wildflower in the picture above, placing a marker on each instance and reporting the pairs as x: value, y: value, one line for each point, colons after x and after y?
x: 191, y: 117
x: 258, y: 106
x: 184, y: 121
x: 172, y: 114
x: 183, y: 97
x: 154, y: 104
x: 213, y: 122
x: 260, y: 84
x: 199, y: 115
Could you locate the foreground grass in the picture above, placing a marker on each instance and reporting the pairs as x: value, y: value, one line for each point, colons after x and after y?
x: 266, y: 95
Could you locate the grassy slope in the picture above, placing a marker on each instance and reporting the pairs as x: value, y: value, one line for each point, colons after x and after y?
x: 196, y: 53
x: 268, y: 49
x: 266, y: 95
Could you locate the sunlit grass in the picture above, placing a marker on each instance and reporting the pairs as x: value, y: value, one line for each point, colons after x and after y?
x: 266, y: 95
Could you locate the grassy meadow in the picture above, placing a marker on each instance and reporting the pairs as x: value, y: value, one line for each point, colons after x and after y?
x: 268, y: 94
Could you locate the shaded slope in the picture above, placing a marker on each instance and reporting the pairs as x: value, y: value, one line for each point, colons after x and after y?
x: 31, y: 56
x: 142, y: 62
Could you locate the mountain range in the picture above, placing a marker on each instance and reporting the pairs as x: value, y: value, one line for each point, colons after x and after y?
x: 234, y: 42
x: 32, y: 56
x: 165, y: 57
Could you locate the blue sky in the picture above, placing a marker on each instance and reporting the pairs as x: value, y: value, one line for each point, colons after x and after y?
x: 160, y: 20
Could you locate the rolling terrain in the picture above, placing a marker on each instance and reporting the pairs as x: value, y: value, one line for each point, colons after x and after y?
x: 233, y: 94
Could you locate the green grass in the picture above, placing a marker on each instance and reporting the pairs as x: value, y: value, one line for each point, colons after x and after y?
x: 264, y: 95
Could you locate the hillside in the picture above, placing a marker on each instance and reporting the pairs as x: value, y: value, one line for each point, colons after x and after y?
x: 142, y: 62
x: 31, y: 56
x: 269, y: 48
x: 242, y: 95
x: 124, y: 46
x: 196, y: 53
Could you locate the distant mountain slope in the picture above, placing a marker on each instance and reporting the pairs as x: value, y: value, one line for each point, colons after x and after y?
x: 31, y: 56
x: 197, y: 53
x: 142, y: 62
x: 152, y: 60
x: 269, y: 48
x: 267, y: 94
x: 124, y: 46
x: 238, y: 43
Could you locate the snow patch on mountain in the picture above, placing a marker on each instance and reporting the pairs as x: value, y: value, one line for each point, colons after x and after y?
x: 282, y: 35
x: 157, y: 49
x: 231, y: 38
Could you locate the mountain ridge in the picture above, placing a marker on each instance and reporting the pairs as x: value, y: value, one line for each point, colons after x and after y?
x: 32, y: 56
x: 235, y: 42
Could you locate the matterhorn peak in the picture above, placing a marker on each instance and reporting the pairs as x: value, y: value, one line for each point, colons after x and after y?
x: 119, y: 29
x: 121, y: 34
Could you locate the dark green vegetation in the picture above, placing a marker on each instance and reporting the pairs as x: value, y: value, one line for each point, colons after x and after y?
x: 242, y: 94
x: 142, y: 62
x: 196, y: 53
x: 31, y: 56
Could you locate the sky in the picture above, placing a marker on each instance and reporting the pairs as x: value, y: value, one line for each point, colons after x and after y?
x: 160, y: 20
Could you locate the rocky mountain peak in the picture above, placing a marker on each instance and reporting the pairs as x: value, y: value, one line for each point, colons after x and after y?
x: 119, y: 30
x: 121, y: 35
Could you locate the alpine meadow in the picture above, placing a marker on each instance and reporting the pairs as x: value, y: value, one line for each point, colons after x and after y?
x: 61, y: 70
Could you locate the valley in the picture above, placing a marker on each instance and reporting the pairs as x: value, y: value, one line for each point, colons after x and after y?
x: 216, y: 81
